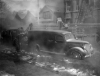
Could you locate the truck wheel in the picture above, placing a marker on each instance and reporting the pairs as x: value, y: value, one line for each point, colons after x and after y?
x: 74, y: 53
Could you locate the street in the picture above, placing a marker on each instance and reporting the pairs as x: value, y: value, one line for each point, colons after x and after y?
x: 88, y: 67
x: 60, y: 27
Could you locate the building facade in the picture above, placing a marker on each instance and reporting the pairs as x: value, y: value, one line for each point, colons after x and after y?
x: 82, y: 17
x: 71, y: 10
x: 48, y: 17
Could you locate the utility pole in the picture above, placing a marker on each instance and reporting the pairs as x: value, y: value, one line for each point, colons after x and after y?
x: 38, y: 10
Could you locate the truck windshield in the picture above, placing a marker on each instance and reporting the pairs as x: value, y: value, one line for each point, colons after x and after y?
x: 69, y: 36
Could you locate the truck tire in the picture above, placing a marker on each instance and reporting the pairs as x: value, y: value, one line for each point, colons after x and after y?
x: 74, y: 53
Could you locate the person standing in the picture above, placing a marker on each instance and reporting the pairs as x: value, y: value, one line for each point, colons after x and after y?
x: 60, y: 23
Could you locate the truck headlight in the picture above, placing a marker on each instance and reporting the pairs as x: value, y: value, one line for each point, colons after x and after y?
x: 88, y: 47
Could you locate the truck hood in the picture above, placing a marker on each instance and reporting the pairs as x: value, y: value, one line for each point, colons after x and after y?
x: 76, y: 40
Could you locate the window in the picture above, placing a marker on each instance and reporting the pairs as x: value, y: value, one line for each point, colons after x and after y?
x: 77, y: 4
x: 47, y: 15
x: 69, y: 3
x: 68, y: 6
x: 59, y: 38
x: 68, y: 15
x: 69, y: 36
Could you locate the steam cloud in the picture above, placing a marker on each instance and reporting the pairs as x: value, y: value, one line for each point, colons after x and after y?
x: 30, y: 5
x: 22, y: 7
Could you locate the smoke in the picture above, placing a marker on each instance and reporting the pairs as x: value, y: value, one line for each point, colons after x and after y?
x: 33, y: 6
x: 27, y: 10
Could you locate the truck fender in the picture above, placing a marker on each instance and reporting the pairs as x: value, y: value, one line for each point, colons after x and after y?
x: 78, y: 48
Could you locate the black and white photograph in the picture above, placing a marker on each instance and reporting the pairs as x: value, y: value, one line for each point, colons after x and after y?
x: 49, y: 37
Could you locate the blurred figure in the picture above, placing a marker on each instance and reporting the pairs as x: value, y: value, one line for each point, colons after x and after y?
x: 20, y: 30
x: 65, y: 27
x: 30, y: 26
x: 60, y: 23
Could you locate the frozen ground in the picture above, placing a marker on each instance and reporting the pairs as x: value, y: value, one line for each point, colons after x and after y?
x: 75, y: 68
x: 86, y: 67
